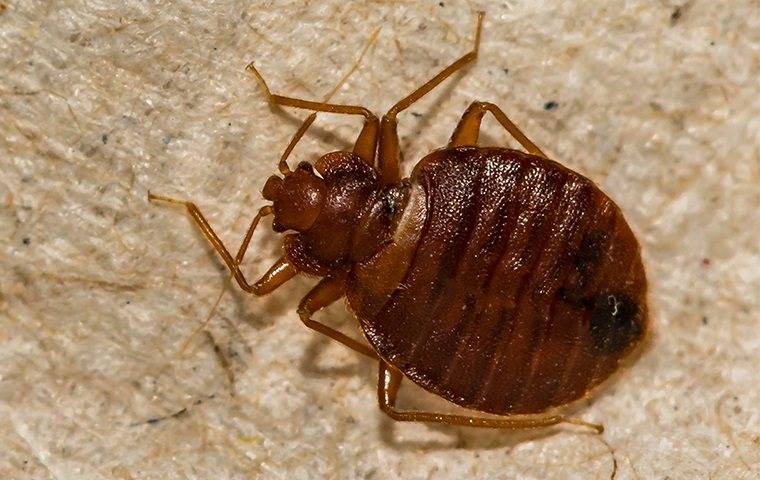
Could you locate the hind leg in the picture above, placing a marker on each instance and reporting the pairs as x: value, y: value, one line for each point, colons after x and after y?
x: 389, y: 382
x: 468, y: 129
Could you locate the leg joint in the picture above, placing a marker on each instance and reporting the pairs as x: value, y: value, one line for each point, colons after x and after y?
x: 392, y: 413
x: 481, y: 106
x: 305, y: 315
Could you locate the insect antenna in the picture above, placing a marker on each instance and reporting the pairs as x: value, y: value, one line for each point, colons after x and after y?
x: 282, y: 166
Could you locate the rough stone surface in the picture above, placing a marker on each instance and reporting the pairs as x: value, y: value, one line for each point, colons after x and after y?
x: 101, y: 376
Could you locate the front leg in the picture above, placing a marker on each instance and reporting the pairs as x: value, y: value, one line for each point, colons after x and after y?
x: 279, y: 273
x: 327, y: 291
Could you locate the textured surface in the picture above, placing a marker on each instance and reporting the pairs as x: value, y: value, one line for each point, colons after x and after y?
x: 100, y: 101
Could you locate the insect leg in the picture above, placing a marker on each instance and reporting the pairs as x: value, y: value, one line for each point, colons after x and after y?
x: 389, y: 155
x: 388, y: 385
x: 468, y: 128
x: 283, y: 165
x: 365, y: 144
x: 327, y: 291
x: 281, y: 272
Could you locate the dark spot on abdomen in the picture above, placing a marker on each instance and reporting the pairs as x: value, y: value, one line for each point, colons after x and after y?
x: 585, y: 260
x: 615, y: 322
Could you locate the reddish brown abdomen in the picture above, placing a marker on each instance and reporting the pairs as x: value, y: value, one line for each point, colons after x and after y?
x: 524, y: 291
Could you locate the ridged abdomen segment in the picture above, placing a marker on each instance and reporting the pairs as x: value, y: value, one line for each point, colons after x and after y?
x: 525, y: 289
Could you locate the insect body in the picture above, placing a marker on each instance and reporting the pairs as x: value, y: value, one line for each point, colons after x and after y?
x: 496, y: 279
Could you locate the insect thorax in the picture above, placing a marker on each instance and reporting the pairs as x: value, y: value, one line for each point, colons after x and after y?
x: 340, y: 210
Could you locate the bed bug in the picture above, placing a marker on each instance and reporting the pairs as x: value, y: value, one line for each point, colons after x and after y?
x: 497, y: 279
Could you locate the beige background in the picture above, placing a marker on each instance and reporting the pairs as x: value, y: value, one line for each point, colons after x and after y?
x: 101, y: 101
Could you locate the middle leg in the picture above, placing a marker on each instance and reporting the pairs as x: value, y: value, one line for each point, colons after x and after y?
x: 327, y: 291
x: 389, y: 155
x: 468, y: 129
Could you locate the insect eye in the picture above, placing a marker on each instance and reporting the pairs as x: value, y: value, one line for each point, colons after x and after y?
x: 389, y: 206
x: 305, y: 166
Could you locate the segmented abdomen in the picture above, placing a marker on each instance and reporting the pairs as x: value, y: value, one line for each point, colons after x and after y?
x: 525, y: 288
